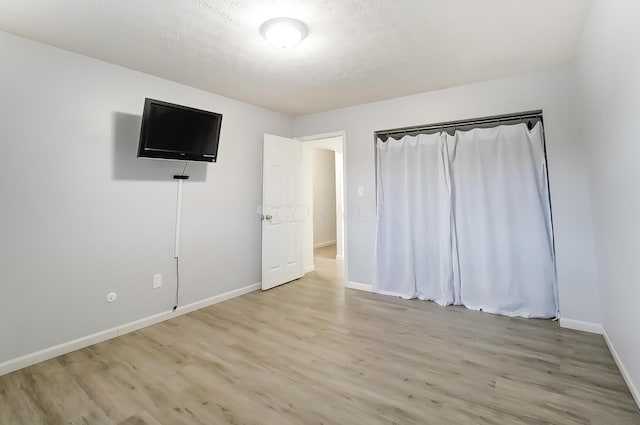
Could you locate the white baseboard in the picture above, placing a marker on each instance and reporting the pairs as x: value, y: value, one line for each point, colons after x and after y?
x: 157, y: 318
x: 55, y: 351
x: 309, y: 269
x: 67, y: 347
x: 599, y: 329
x: 360, y: 286
x: 578, y: 325
x: 623, y: 370
x: 322, y: 244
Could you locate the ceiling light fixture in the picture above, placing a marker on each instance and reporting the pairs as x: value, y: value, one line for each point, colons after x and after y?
x: 284, y: 32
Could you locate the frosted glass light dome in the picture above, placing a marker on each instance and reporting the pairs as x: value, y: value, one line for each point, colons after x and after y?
x: 284, y: 32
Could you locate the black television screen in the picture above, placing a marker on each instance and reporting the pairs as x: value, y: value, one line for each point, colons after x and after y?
x: 172, y: 131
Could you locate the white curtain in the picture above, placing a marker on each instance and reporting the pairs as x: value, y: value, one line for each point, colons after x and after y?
x: 465, y: 219
x: 414, y: 243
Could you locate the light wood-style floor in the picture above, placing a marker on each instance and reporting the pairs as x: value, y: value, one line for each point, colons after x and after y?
x: 311, y: 352
x: 328, y: 251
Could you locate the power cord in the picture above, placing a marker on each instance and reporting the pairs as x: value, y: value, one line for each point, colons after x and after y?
x: 181, y: 177
x: 177, y: 282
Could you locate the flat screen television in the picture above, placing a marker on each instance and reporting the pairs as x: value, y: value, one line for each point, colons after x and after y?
x: 178, y: 132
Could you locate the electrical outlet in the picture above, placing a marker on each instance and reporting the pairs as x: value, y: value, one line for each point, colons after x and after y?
x: 157, y: 281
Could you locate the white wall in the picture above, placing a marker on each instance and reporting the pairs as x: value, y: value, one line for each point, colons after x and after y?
x: 324, y: 196
x: 554, y: 92
x: 81, y: 216
x: 609, y: 70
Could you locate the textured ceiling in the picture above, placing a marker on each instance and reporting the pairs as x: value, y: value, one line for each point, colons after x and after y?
x: 357, y: 51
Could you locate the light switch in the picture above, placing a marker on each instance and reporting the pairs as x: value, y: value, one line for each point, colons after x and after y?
x: 157, y: 281
x: 360, y: 191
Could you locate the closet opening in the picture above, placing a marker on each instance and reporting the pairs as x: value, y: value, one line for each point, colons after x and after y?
x: 464, y: 215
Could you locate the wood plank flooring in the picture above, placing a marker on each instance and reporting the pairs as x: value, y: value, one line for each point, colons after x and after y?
x: 328, y: 251
x: 311, y: 352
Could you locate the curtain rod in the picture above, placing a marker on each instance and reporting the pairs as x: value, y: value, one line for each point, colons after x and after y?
x: 521, y: 116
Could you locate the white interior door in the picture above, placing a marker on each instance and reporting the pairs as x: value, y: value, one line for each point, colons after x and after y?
x: 283, y: 211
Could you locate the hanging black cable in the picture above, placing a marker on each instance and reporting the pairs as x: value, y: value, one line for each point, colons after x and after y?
x: 177, y: 283
x: 180, y: 178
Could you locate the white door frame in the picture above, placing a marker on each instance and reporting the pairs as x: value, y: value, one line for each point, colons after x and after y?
x: 345, y: 247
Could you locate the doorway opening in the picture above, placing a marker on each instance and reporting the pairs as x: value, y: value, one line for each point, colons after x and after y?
x: 323, y: 170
